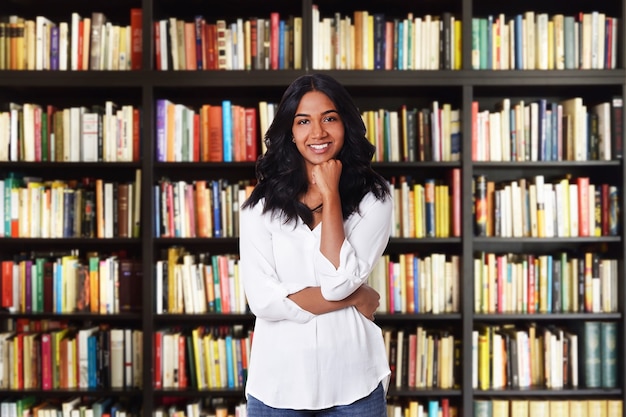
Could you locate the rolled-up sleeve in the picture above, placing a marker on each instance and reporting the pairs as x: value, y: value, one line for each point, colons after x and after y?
x: 367, y: 234
x: 265, y: 293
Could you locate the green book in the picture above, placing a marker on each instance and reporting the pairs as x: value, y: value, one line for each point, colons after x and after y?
x: 592, y: 356
x: 608, y: 346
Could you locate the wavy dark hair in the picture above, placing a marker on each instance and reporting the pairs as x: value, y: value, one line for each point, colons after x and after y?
x: 280, y: 171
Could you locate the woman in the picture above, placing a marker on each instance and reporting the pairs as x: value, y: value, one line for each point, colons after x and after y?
x: 312, y: 230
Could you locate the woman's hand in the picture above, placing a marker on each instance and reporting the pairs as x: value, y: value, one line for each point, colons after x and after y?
x: 326, y: 176
x: 366, y: 300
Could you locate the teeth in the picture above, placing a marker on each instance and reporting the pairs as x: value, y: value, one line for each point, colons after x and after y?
x: 319, y: 146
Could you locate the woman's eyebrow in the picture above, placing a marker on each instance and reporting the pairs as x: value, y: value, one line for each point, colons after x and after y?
x: 323, y: 113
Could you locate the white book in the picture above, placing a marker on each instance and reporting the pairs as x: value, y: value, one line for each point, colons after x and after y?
x: 116, y: 339
x: 75, y: 22
x: 163, y: 44
x: 63, y: 45
x: 83, y: 355
x: 89, y: 142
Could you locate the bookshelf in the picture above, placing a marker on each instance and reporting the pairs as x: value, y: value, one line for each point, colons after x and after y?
x: 372, y: 89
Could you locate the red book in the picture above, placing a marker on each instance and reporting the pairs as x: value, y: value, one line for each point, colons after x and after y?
x: 81, y: 39
x: 38, y: 138
x: 7, y: 284
x: 136, y: 135
x: 182, y: 368
x: 136, y: 47
x: 46, y: 361
x: 158, y: 360
x: 210, y: 30
x: 215, y: 134
x: 583, y: 206
x: 157, y: 46
x: 532, y: 268
x: 274, y: 29
x: 252, y: 134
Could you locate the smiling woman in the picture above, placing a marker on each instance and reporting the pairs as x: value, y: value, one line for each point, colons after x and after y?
x: 327, y: 216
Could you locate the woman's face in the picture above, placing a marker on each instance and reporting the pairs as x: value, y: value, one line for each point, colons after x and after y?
x: 317, y: 128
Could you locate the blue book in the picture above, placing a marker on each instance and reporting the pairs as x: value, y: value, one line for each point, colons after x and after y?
x: 281, y: 44
x: 519, y: 39
x: 397, y: 289
x: 92, y: 380
x: 230, y: 362
x: 217, y: 210
x: 400, y: 45
x: 433, y: 408
x: 379, y: 41
x: 161, y: 129
x: 227, y: 130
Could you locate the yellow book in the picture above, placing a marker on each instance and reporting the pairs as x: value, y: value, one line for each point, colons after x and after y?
x: 484, y: 380
x: 418, y: 210
x: 198, y: 358
x: 458, y: 44
x: 297, y: 43
x: 597, y: 407
x: 207, y: 342
x: 519, y: 407
x: 539, y: 408
x: 559, y: 407
x: 578, y: 408
x: 614, y: 408
x: 500, y: 407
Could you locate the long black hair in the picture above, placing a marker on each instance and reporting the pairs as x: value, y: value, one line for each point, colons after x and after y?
x: 280, y: 171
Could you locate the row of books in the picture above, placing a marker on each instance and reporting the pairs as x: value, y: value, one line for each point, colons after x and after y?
x: 67, y: 284
x: 545, y: 130
x: 216, y: 133
x: 565, y: 207
x: 202, y: 208
x: 33, y: 132
x: 209, y: 407
x: 551, y: 356
x: 32, y: 207
x: 82, y: 43
x: 545, y: 283
x: 69, y: 358
x: 198, y: 283
x: 535, y: 40
x: 423, y: 358
x: 410, y: 283
x: 34, y: 406
x: 397, y: 407
x: 415, y: 134
x: 258, y: 43
x: 431, y: 208
x: 202, y: 357
x: 541, y: 407
x: 373, y: 41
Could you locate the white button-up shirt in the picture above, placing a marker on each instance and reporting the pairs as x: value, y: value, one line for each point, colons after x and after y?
x: 300, y: 360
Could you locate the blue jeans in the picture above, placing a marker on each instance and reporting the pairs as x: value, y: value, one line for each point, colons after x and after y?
x: 374, y: 405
